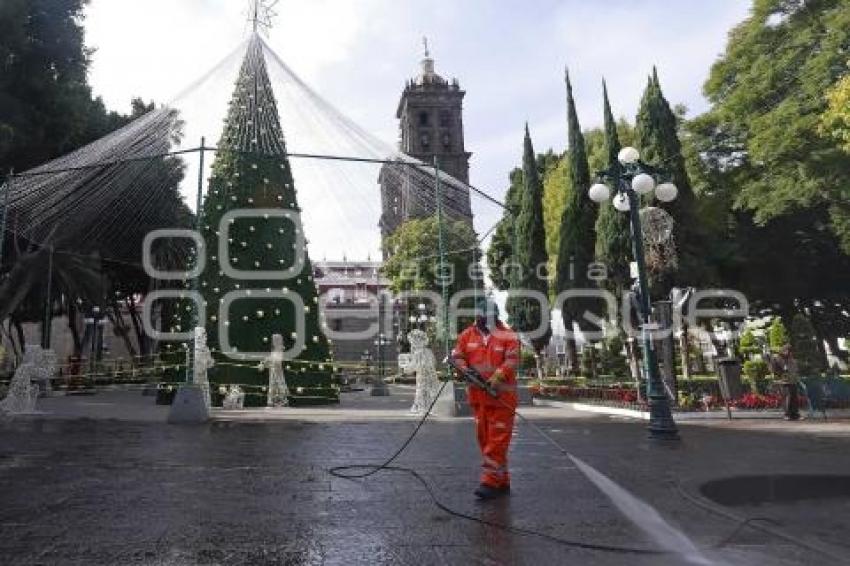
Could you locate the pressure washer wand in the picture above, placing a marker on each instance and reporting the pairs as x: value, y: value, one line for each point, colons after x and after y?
x: 472, y: 376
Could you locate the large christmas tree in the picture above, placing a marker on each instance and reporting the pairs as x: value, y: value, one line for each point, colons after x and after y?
x: 251, y: 177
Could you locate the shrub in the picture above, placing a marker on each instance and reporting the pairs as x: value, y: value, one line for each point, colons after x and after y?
x: 748, y: 346
x: 527, y: 360
x: 611, y: 359
x: 756, y: 370
x: 777, y: 335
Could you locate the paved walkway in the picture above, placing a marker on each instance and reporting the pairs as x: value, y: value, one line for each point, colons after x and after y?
x: 130, y: 489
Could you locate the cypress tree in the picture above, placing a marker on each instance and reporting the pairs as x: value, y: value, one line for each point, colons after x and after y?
x: 658, y: 141
x: 613, y: 232
x: 501, y: 250
x: 576, y: 245
x: 526, y: 314
x: 251, y: 172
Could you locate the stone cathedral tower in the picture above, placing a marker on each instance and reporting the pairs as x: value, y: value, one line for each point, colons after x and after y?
x: 430, y: 115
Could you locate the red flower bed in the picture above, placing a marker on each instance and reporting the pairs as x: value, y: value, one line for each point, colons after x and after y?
x: 753, y: 401
x: 617, y: 395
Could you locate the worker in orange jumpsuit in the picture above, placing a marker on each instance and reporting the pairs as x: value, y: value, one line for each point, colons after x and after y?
x: 491, y: 348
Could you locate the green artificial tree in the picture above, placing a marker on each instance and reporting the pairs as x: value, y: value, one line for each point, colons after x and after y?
x: 656, y: 129
x: 252, y: 175
x: 804, y: 345
x: 576, y: 244
x: 527, y: 314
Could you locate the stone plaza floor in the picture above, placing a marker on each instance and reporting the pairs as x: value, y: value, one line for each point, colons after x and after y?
x: 102, y: 479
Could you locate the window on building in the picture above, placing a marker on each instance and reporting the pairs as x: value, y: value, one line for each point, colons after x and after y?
x: 445, y: 118
x: 424, y: 119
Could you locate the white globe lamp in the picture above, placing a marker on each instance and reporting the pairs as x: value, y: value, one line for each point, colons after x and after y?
x: 628, y: 155
x: 666, y: 192
x: 643, y: 184
x: 599, y: 193
x: 621, y: 202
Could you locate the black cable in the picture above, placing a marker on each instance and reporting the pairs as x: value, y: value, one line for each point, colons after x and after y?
x: 372, y: 469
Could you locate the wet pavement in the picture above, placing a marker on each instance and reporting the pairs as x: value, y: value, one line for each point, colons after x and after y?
x: 126, y: 488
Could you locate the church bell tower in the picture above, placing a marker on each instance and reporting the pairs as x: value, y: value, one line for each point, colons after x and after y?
x: 430, y: 114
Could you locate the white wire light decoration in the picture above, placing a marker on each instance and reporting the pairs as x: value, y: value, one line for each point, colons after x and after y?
x: 658, y: 240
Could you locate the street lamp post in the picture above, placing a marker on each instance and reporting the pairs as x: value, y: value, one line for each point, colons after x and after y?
x: 632, y: 178
x: 379, y: 386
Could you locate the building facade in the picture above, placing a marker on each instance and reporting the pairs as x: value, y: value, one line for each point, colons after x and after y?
x: 430, y: 115
x: 356, y: 311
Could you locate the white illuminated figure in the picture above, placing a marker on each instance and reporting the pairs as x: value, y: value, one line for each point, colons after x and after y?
x: 201, y: 362
x: 278, y: 395
x: 37, y: 367
x: 234, y: 399
x: 422, y: 362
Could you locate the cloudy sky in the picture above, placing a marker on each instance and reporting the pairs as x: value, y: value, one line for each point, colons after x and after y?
x: 508, y: 55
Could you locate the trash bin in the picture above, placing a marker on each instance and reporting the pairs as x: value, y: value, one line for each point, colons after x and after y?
x: 729, y: 370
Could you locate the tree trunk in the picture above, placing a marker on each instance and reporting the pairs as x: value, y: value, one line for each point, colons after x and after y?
x: 21, y: 339
x: 685, y: 349
x: 822, y: 354
x: 633, y: 358
x: 719, y: 347
x: 594, y: 373
x: 75, y: 331
x: 538, y: 363
x: 121, y: 328
x: 573, y: 368
x: 141, y: 337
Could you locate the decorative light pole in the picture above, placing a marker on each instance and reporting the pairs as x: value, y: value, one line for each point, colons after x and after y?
x: 379, y: 388
x: 631, y: 178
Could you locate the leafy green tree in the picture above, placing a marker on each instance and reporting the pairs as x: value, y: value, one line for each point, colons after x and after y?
x: 527, y: 314
x: 836, y: 118
x: 656, y: 132
x: 576, y: 243
x: 555, y: 190
x: 413, y: 263
x: 768, y: 161
x: 767, y: 94
x: 804, y: 345
x: 500, y: 255
x: 46, y: 104
x: 777, y: 335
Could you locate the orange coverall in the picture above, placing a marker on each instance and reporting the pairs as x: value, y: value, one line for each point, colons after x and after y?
x: 494, y: 418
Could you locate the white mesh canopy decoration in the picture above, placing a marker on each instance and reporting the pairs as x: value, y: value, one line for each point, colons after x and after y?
x: 107, y: 195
